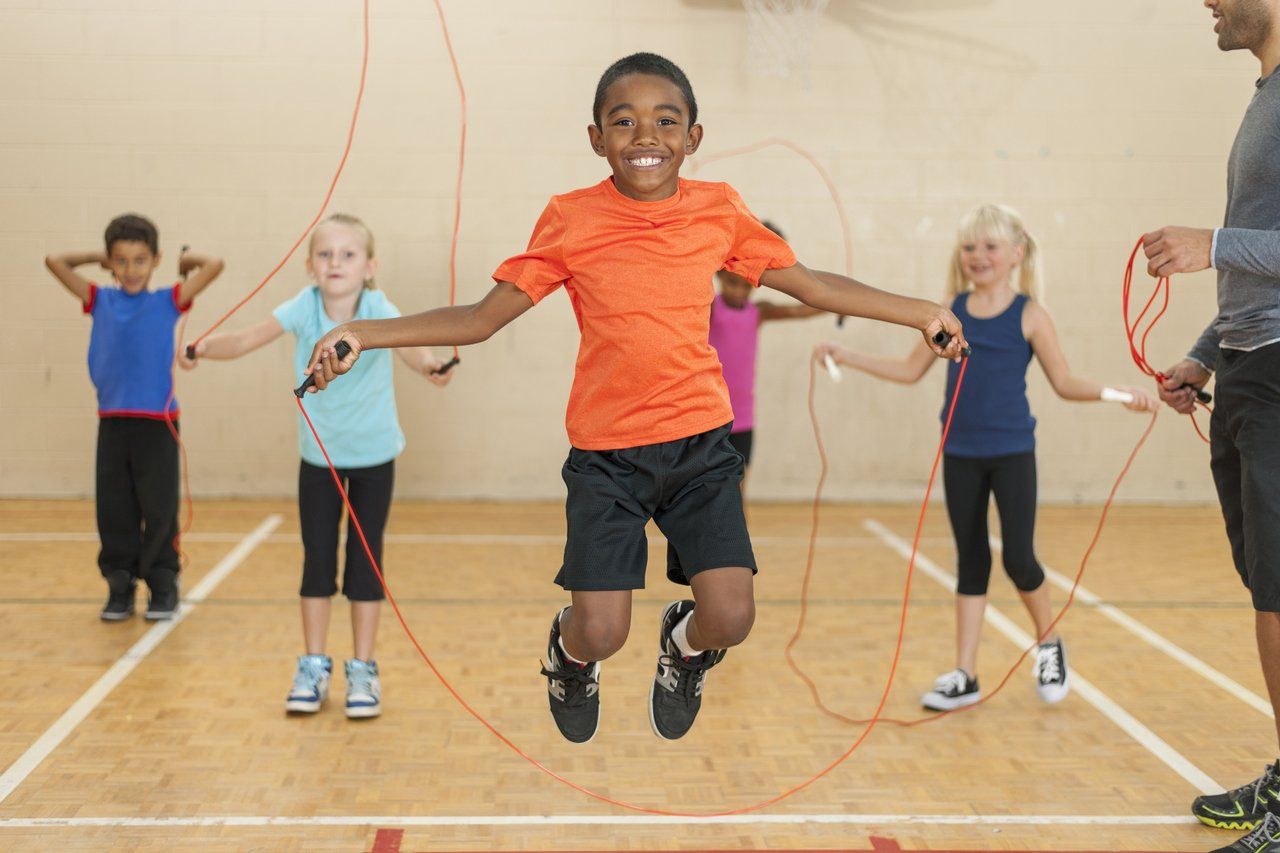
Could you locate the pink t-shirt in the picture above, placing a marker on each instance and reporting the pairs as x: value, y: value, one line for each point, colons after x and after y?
x: 734, y: 334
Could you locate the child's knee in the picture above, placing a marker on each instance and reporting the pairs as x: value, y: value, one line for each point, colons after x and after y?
x: 726, y: 623
x: 595, y: 637
x: 1026, y: 574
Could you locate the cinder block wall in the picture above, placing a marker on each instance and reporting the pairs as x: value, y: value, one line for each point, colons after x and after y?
x: 224, y: 122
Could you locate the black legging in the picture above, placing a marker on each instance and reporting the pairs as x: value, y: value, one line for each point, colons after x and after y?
x: 320, y: 510
x: 969, y: 484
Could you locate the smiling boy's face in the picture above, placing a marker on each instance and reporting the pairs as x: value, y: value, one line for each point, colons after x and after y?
x: 132, y: 263
x: 645, y: 135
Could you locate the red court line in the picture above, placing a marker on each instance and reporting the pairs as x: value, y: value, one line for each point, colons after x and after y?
x: 389, y: 841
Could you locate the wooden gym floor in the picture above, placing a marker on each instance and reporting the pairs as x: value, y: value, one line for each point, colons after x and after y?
x: 129, y: 736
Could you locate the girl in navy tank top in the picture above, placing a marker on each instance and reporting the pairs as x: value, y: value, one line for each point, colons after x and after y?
x: 991, y: 446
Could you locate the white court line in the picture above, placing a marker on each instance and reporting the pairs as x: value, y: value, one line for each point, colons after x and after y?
x: 1095, y: 697
x: 602, y: 820
x: 17, y: 772
x: 1156, y: 641
x: 445, y: 538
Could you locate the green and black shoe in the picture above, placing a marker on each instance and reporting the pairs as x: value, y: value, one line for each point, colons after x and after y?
x: 1244, y: 807
x: 1265, y: 837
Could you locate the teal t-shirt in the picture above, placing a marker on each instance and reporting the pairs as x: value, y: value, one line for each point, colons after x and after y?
x: 356, y: 415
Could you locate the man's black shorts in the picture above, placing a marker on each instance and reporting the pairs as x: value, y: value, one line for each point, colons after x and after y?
x: 690, y: 487
x: 1245, y: 458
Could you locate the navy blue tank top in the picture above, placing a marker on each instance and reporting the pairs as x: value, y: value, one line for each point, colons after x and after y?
x: 993, y: 417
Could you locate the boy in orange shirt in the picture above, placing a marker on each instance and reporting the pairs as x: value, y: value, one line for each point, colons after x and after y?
x: 649, y: 414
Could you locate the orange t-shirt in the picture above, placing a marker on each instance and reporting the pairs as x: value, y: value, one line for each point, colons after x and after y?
x: 639, y: 276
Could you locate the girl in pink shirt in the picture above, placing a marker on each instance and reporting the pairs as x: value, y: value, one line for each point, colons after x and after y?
x: 735, y: 334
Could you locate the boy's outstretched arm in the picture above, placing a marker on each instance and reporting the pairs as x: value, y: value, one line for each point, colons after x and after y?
x: 199, y: 272
x: 842, y: 295
x: 457, y: 325
x: 771, y: 311
x: 64, y: 269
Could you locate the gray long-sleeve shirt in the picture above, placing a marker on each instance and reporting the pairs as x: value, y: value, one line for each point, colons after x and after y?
x: 1246, y: 249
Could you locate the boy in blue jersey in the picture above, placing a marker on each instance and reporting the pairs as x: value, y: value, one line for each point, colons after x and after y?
x: 130, y: 363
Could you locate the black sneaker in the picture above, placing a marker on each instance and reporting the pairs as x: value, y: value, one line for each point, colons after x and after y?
x: 1244, y: 807
x: 1052, y: 682
x: 676, y: 695
x: 952, y: 690
x: 1265, y: 837
x: 120, y: 597
x: 573, y: 691
x: 164, y: 595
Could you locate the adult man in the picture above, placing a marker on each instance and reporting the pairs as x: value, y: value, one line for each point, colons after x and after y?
x: 1243, y: 345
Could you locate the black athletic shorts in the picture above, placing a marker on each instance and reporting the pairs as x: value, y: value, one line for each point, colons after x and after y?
x: 690, y: 487
x: 1245, y: 459
x: 742, y: 442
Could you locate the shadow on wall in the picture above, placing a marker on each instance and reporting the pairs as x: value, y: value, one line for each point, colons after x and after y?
x: 935, y: 67
x: 898, y: 24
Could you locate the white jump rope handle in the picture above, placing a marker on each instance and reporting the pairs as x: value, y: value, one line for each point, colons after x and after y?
x: 1112, y: 395
x: 833, y: 369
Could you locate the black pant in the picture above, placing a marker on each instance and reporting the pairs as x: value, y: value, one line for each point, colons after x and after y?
x: 1245, y: 458
x: 137, y: 498
x: 969, y: 485
x: 320, y: 509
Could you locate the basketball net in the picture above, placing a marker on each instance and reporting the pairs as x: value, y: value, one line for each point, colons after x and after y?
x: 779, y: 35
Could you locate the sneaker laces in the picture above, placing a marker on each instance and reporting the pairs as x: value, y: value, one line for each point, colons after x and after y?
x: 310, y: 671
x: 577, y: 682
x: 691, y: 671
x: 1254, y: 789
x: 1049, y: 664
x: 951, y: 683
x: 360, y: 679
x: 1265, y: 832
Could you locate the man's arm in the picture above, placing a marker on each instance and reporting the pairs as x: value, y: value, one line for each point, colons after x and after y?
x: 1248, y: 251
x: 64, y: 269
x: 1205, y: 352
x: 839, y: 294
x: 199, y: 272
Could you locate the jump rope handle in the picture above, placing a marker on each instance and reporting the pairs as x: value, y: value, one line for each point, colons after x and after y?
x: 942, y: 339
x: 444, y: 368
x: 1202, y: 395
x: 833, y: 369
x: 343, y: 349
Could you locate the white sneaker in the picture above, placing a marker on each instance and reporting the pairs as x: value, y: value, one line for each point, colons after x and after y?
x: 364, y: 691
x: 952, y: 690
x: 310, y: 684
x: 1051, y: 672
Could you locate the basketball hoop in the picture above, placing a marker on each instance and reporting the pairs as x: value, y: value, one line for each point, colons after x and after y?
x: 779, y: 35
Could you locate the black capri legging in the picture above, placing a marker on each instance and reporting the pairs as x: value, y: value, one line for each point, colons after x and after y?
x: 969, y: 484
x: 320, y: 508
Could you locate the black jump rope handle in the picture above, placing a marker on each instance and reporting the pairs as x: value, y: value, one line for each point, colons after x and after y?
x: 446, y: 367
x: 343, y: 349
x: 1202, y: 395
x: 942, y: 339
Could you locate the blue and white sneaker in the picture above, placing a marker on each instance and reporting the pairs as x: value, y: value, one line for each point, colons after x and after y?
x: 310, y: 684
x: 364, y: 691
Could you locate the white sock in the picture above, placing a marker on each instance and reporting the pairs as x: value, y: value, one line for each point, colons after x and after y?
x: 560, y: 642
x: 570, y: 658
x: 680, y: 636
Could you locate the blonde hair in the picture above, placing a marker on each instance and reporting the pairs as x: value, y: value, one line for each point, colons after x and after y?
x: 1004, y: 223
x: 351, y: 222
